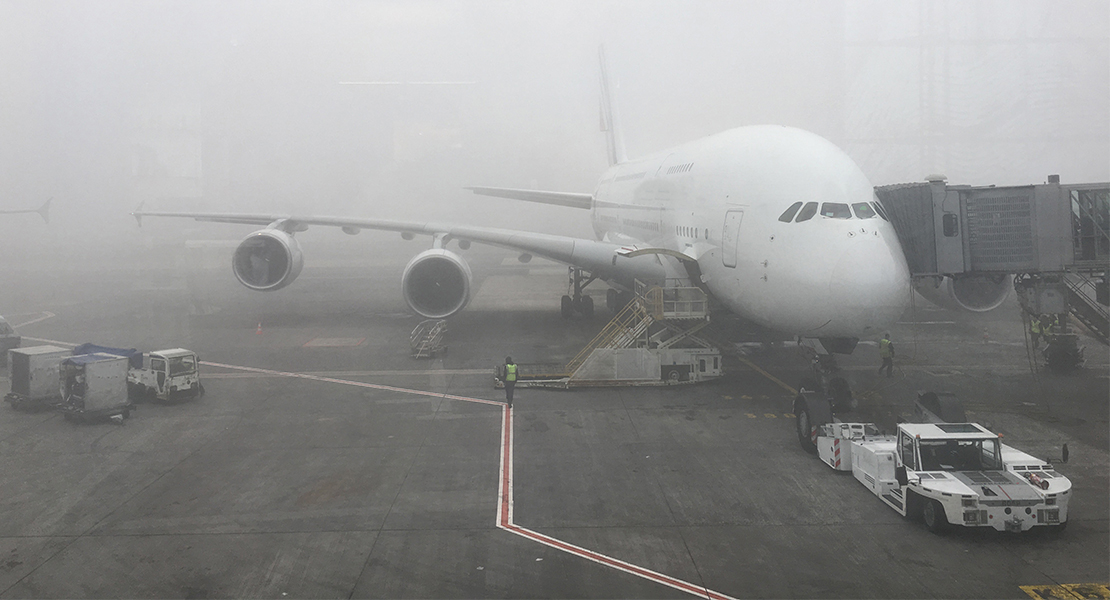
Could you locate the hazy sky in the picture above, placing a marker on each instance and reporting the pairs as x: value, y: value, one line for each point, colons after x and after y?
x: 107, y: 103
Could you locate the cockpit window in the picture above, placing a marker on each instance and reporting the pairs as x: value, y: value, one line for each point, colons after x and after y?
x: 836, y: 210
x: 807, y: 213
x: 879, y: 209
x: 790, y: 212
x: 863, y: 210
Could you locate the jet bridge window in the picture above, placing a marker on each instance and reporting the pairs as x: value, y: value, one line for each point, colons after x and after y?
x: 836, y: 210
x: 807, y: 213
x: 790, y: 212
x: 863, y: 210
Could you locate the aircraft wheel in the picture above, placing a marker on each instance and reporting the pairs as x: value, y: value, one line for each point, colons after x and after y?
x: 933, y: 515
x: 567, y: 307
x: 811, y: 411
x: 586, y: 306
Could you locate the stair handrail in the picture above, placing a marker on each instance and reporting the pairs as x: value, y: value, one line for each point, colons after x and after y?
x: 634, y: 316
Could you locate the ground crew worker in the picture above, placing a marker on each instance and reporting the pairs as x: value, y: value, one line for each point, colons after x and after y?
x: 510, y: 379
x: 886, y: 352
x: 1035, y: 330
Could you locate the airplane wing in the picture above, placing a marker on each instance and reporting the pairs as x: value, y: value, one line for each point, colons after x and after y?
x: 568, y: 199
x: 601, y: 259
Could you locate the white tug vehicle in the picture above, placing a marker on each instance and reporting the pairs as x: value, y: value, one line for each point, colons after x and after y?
x: 945, y: 473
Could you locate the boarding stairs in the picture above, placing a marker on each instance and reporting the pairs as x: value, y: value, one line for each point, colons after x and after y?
x: 628, y: 326
x: 428, y: 338
x: 1085, y: 308
x: 652, y: 340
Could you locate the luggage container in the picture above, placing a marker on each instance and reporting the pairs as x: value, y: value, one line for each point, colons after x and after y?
x: 34, y: 377
x: 94, y: 386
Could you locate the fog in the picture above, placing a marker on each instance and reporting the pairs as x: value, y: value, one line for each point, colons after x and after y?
x: 265, y: 106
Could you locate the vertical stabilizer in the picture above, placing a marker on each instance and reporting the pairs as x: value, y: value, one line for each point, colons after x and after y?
x: 610, y: 123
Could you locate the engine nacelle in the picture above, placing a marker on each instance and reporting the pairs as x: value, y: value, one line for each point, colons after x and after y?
x: 971, y: 293
x: 436, y: 283
x: 267, y: 260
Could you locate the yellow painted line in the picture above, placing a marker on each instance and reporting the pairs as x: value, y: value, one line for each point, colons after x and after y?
x: 770, y: 415
x: 753, y: 367
x: 751, y: 416
x: 1068, y: 591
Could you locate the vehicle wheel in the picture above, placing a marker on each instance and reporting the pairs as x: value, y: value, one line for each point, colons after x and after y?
x: 567, y: 307
x: 586, y: 306
x: 127, y: 413
x: 673, y: 376
x: 933, y: 515
x: 200, y: 393
x: 810, y: 412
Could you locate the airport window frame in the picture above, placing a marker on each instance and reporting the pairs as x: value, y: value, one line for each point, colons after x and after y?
x: 808, y: 212
x: 788, y: 215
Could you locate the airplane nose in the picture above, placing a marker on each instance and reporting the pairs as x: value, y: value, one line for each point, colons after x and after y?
x: 871, y: 280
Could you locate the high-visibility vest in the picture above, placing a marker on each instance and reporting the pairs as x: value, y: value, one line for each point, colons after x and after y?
x: 1035, y: 325
x: 885, y: 350
x: 510, y: 372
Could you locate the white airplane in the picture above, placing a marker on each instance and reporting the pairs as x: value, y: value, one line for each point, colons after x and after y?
x: 44, y: 211
x: 777, y: 224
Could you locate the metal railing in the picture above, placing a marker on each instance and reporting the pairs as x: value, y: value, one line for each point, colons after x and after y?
x: 623, y: 330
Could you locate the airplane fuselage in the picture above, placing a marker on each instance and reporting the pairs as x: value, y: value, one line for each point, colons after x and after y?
x: 721, y: 201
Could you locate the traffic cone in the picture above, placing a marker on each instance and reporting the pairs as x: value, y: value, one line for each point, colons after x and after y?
x: 259, y: 330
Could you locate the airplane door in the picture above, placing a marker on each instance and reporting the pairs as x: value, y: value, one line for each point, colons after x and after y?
x: 730, y: 236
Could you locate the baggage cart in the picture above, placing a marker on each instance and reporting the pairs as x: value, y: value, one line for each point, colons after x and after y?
x: 94, y: 386
x: 34, y: 377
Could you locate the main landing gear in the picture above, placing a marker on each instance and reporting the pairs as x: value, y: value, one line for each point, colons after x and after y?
x: 576, y: 301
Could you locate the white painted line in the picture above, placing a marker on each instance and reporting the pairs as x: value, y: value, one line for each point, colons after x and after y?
x: 46, y: 341
x: 356, y: 373
x: 375, y: 386
x: 45, y: 315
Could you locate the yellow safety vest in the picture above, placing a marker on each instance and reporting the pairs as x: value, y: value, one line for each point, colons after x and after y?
x: 885, y: 350
x: 510, y: 372
x: 1035, y: 325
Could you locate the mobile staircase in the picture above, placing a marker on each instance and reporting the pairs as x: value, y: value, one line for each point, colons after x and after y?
x: 653, y: 340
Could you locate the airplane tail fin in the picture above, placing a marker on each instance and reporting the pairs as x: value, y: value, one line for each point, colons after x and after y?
x: 44, y: 211
x: 610, y: 122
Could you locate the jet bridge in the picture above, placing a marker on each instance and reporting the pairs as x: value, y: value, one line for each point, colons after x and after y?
x: 964, y: 244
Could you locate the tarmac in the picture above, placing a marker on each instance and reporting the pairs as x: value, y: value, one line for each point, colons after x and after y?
x: 324, y: 461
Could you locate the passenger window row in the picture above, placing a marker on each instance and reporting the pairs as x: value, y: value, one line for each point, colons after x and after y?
x: 833, y: 210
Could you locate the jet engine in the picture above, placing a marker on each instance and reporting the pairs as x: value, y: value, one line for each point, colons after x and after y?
x: 436, y: 283
x: 267, y: 260
x: 978, y: 293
